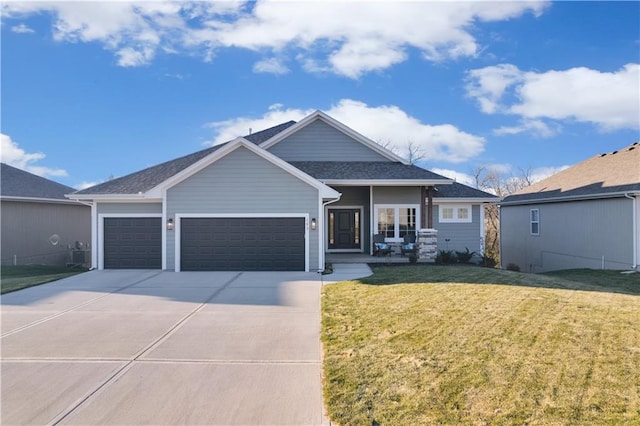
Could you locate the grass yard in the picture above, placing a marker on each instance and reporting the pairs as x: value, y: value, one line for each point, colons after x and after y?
x: 464, y: 345
x: 22, y: 276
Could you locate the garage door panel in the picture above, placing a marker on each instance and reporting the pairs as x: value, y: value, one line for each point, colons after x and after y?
x: 133, y: 243
x: 243, y: 244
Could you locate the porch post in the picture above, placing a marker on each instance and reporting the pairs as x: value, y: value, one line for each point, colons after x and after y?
x: 423, y: 207
x: 430, y: 207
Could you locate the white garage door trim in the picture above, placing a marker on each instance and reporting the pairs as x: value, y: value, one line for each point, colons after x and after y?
x: 100, y: 246
x: 179, y: 216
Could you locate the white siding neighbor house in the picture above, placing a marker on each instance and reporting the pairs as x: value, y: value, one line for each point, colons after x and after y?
x: 586, y: 216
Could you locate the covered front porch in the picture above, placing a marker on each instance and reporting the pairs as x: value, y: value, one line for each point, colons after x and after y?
x: 362, y: 211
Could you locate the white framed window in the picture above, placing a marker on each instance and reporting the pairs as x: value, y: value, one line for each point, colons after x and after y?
x: 535, y: 222
x: 395, y: 221
x: 449, y: 213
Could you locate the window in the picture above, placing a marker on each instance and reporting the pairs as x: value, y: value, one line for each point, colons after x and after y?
x: 454, y: 213
x: 535, y: 222
x: 396, y: 221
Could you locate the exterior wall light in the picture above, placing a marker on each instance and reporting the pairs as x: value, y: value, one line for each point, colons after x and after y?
x: 170, y: 225
x: 314, y: 224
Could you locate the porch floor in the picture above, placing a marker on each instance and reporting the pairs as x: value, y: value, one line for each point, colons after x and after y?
x: 366, y: 258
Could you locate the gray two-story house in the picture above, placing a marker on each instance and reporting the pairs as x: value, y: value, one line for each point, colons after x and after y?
x: 279, y: 199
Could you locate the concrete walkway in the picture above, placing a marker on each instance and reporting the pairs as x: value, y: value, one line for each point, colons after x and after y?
x: 163, y: 348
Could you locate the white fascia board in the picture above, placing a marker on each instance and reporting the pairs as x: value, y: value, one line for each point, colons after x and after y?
x: 443, y: 200
x: 386, y: 182
x: 324, y: 190
x: 319, y: 115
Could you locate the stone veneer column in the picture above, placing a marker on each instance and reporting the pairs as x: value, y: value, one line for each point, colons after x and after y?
x: 427, y: 245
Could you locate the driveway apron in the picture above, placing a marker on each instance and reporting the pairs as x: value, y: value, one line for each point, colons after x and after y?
x: 163, y: 348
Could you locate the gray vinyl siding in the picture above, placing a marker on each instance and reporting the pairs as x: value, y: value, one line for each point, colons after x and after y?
x: 319, y: 141
x: 129, y: 208
x: 572, y: 235
x: 27, y: 226
x: 357, y: 196
x: 243, y: 182
x: 460, y: 235
x: 396, y: 195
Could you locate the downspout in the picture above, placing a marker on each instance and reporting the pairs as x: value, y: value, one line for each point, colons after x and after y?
x: 322, y: 235
x: 94, y: 232
x: 634, y: 221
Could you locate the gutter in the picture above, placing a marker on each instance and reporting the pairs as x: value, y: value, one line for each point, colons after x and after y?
x: 566, y: 198
x: 634, y: 221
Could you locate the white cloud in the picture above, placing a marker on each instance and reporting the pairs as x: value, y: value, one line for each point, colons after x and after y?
x: 382, y: 124
x: 84, y: 185
x: 271, y: 66
x: 463, y: 178
x: 22, y: 29
x: 609, y: 100
x: 537, y: 128
x: 346, y: 38
x: 11, y: 153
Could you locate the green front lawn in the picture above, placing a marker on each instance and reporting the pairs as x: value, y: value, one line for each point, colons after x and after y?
x: 465, y: 345
x: 22, y: 276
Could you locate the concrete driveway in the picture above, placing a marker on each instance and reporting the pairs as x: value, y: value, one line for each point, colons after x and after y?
x: 150, y: 347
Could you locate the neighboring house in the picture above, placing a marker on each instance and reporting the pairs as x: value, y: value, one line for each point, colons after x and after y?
x: 39, y: 224
x: 278, y: 199
x: 586, y: 216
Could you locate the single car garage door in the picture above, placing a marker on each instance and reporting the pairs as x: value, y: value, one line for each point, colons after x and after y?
x: 132, y: 243
x: 242, y: 244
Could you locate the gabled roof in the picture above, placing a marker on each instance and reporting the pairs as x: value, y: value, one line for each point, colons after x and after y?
x: 325, y: 191
x: 18, y: 184
x: 144, y: 180
x: 605, y: 175
x: 319, y: 115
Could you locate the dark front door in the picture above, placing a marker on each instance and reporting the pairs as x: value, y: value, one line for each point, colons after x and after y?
x: 344, y: 229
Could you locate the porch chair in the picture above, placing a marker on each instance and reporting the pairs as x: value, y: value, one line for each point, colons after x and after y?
x: 409, y: 244
x: 380, y: 248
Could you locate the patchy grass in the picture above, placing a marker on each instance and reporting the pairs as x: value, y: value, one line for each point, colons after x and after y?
x: 22, y: 276
x: 465, y: 345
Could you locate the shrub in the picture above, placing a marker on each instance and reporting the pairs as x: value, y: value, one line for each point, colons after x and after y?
x: 446, y: 256
x: 513, y: 267
x: 464, y: 256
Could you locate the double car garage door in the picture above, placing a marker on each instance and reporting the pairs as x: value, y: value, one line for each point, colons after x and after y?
x: 209, y: 244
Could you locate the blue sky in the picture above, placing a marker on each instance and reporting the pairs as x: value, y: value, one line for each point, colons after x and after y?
x: 98, y: 89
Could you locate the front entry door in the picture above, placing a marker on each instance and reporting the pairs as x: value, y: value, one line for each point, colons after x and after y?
x: 344, y: 229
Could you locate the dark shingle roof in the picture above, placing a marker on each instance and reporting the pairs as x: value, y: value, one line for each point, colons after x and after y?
x: 615, y: 172
x: 458, y: 190
x: 18, y: 183
x: 259, y: 137
x: 150, y: 177
x: 365, y: 170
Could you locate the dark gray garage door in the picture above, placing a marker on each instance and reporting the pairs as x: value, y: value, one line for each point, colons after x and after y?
x: 132, y: 243
x: 242, y: 244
